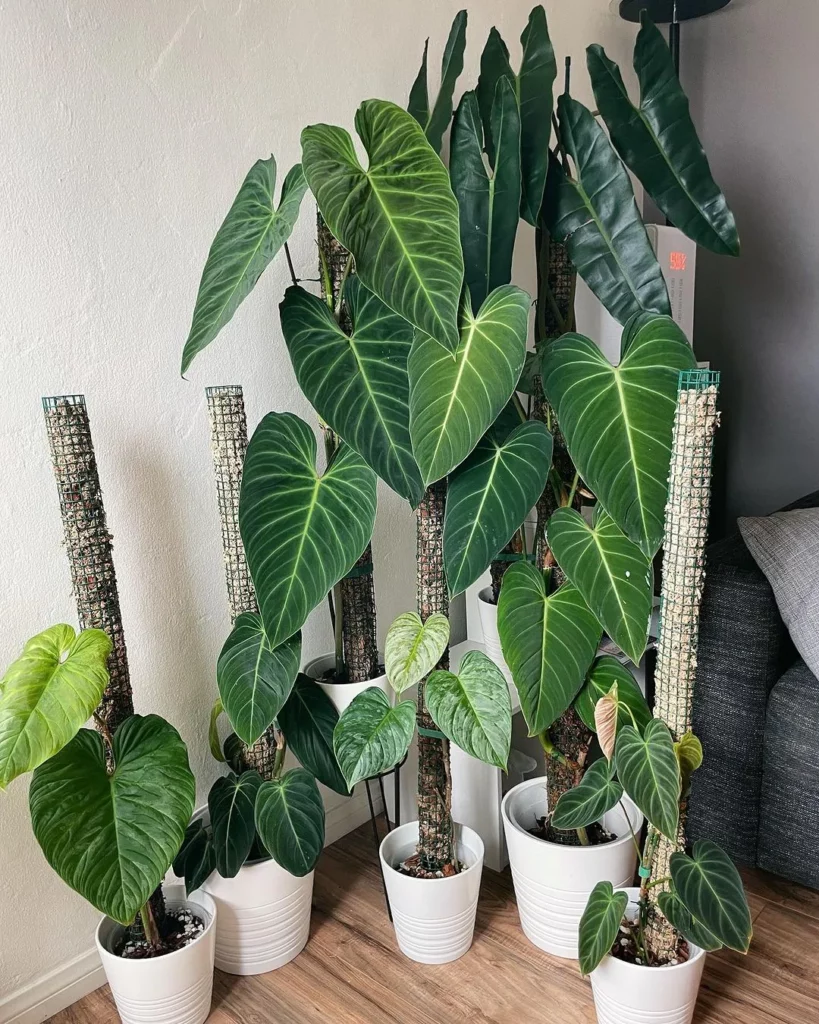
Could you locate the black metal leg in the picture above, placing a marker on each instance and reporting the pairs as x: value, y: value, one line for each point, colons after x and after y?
x: 377, y: 844
x: 397, y: 796
x: 384, y: 802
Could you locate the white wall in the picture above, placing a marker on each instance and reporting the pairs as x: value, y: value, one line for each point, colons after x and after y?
x: 127, y: 128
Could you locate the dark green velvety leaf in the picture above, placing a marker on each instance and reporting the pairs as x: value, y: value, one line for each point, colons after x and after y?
x: 290, y: 821
x: 631, y: 704
x: 495, y: 67
x: 451, y: 67
x: 372, y: 736
x: 232, y: 748
x: 683, y: 920
x: 600, y: 924
x: 596, y: 793
x: 196, y: 860
x: 232, y: 808
x: 535, y: 85
x: 709, y: 887
x: 647, y: 767
x: 308, y: 720
x: 418, y: 104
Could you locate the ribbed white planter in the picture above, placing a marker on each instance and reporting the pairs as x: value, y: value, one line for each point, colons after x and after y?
x: 488, y: 613
x: 342, y: 694
x: 553, y: 882
x: 434, y: 918
x: 630, y: 994
x: 171, y: 989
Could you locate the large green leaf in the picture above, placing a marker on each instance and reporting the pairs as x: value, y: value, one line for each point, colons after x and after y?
x: 535, y: 84
x: 711, y: 890
x: 596, y: 793
x: 454, y: 401
x: 548, y: 641
x: 659, y: 143
x: 495, y: 67
x: 196, y: 859
x: 473, y: 708
x: 610, y: 571
x: 617, y: 420
x: 250, y: 236
x: 600, y: 924
x: 436, y: 121
x: 232, y: 808
x: 113, y: 837
x: 413, y: 648
x: 358, y: 384
x: 302, y: 532
x: 684, y: 921
x: 254, y: 678
x: 631, y: 704
x: 372, y: 736
x: 308, y: 719
x: 647, y: 767
x: 488, y: 498
x: 48, y: 694
x: 398, y: 218
x: 595, y: 214
x: 290, y: 820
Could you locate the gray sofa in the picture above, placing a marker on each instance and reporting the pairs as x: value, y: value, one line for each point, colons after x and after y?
x: 756, y: 710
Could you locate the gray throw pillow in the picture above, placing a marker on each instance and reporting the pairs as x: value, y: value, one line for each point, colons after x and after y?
x: 785, y: 546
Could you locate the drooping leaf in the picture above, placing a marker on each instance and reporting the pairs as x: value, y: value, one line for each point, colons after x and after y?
x: 617, y: 420
x: 600, y: 924
x: 232, y: 808
x: 605, y: 721
x: 111, y: 838
x: 307, y: 720
x: 290, y: 821
x: 196, y: 860
x: 596, y: 793
x: 399, y: 217
x: 489, y: 496
x: 495, y: 67
x: 48, y: 694
x: 610, y: 571
x: 436, y: 122
x: 689, y: 755
x: 648, y: 770
x: 658, y: 141
x: 454, y: 401
x: 535, y: 85
x: 372, y: 736
x: 250, y: 236
x: 412, y: 648
x: 302, y: 532
x: 214, y: 743
x: 595, y: 214
x: 473, y: 708
x: 631, y: 704
x: 684, y: 921
x: 548, y: 641
x: 710, y: 888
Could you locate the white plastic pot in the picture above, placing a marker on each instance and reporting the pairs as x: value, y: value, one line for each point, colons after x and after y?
x: 342, y: 694
x: 434, y: 918
x: 553, y: 882
x: 171, y: 989
x: 632, y: 994
x: 488, y: 613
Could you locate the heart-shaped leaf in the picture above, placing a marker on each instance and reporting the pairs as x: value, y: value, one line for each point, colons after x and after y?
x: 711, y: 890
x: 308, y: 719
x: 617, y: 420
x: 647, y: 767
x: 232, y: 808
x: 612, y: 573
x: 436, y: 121
x: 111, y: 838
x: 398, y: 217
x: 372, y: 736
x: 413, y: 648
x: 489, y: 496
x: 548, y: 641
x: 683, y: 920
x: 290, y: 821
x: 632, y: 708
x: 357, y: 383
x: 48, y: 694
x: 689, y: 755
x: 605, y: 721
x: 302, y: 532
x: 196, y: 860
x: 600, y: 924
x: 596, y: 793
x: 454, y: 401
x: 254, y: 679
x: 250, y: 236
x: 473, y: 708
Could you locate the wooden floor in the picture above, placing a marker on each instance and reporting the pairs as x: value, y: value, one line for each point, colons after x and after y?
x: 351, y: 970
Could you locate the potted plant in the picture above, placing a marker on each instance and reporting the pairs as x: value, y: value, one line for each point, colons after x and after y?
x: 109, y: 813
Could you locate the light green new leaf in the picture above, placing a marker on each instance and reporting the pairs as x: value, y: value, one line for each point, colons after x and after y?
x: 111, y: 838
x: 473, y: 708
x: 659, y: 143
x: 214, y: 742
x: 610, y: 571
x: 307, y: 720
x: 254, y: 678
x: 358, y: 384
x: 689, y: 755
x: 372, y: 736
x: 398, y: 217
x: 302, y: 532
x: 711, y: 890
x: 412, y: 648
x: 600, y: 924
x: 596, y: 793
x: 548, y: 641
x: 617, y: 420
x: 488, y: 498
x: 290, y: 821
x: 48, y: 694
x: 196, y: 859
x: 232, y: 809
x: 631, y: 704
x: 647, y: 767
x: 684, y: 921
x: 454, y: 401
x: 436, y: 122
x: 535, y: 85
x: 250, y: 236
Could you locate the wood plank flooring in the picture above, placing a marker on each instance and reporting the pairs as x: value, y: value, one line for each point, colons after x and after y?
x: 351, y: 971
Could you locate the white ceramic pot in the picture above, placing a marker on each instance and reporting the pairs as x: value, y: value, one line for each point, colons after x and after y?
x: 434, y: 918
x: 553, y: 882
x: 488, y: 613
x: 630, y: 994
x: 342, y: 694
x: 171, y: 989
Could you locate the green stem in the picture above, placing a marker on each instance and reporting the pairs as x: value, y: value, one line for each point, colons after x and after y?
x: 573, y: 491
x: 326, y: 282
x: 149, y: 925
x: 281, y: 750
x: 344, y: 275
x: 658, y: 881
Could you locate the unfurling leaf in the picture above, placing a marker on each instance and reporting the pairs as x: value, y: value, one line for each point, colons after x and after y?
x: 436, y: 121
x: 632, y: 708
x: 213, y: 732
x: 413, y: 648
x: 605, y: 721
x: 689, y: 754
